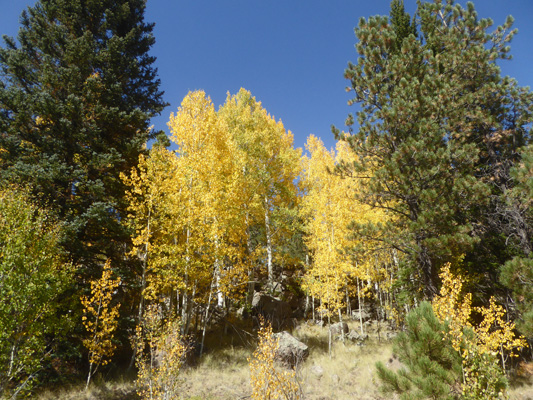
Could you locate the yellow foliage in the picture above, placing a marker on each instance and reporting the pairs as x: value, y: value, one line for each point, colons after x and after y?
x: 450, y: 308
x: 100, y: 319
x: 269, y: 381
x: 328, y: 208
x: 159, y: 356
x: 495, y: 334
x: 478, y: 345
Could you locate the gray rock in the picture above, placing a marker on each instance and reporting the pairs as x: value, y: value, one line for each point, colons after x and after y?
x: 291, y: 351
x: 365, y: 315
x: 339, y: 328
x: 271, y: 308
x: 243, y: 313
x: 356, y: 337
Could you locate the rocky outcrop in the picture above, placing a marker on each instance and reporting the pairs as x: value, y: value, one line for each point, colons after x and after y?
x: 271, y: 309
x: 361, y: 314
x: 356, y: 337
x: 291, y: 351
x: 339, y: 328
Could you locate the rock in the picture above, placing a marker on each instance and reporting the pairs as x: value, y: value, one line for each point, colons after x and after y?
x: 271, y: 308
x: 339, y: 328
x: 291, y: 351
x: 365, y: 315
x: 335, y: 378
x: 356, y: 337
x: 317, y: 370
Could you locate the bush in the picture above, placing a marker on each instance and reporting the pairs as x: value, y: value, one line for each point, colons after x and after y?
x: 268, y: 380
x: 432, y: 366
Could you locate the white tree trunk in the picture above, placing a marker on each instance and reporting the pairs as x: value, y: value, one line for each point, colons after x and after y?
x: 268, y: 233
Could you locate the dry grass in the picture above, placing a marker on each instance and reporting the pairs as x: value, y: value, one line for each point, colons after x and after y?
x: 522, y: 385
x: 98, y: 390
x: 223, y: 372
x: 348, y: 374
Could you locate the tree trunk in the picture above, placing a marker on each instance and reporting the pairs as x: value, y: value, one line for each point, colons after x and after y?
x: 342, y: 328
x: 206, y: 319
x: 360, y: 307
x: 329, y: 336
x: 268, y: 233
x: 313, y: 304
x: 220, y: 295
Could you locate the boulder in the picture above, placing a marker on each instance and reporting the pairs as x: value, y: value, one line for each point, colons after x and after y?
x: 291, y: 351
x: 356, y: 337
x: 339, y: 328
x: 271, y: 308
x: 365, y: 315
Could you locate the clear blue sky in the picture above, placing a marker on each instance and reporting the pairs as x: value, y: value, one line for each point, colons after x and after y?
x: 290, y: 54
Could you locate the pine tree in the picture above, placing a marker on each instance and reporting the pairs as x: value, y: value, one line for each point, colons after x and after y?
x: 436, y: 125
x: 432, y: 368
x: 517, y: 273
x: 77, y: 93
x: 401, y: 23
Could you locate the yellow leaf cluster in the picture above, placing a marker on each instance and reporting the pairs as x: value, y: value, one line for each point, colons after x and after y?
x: 193, y: 209
x: 479, y: 348
x: 99, y: 318
x: 269, y: 381
x: 328, y: 208
x: 159, y: 356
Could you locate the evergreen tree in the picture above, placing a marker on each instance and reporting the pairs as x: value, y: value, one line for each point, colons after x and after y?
x: 76, y: 96
x: 517, y: 273
x: 432, y: 367
x: 437, y: 124
x: 401, y: 23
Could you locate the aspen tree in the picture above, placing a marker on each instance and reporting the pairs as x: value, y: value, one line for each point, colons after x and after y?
x: 204, y: 157
x: 326, y: 209
x: 267, y: 166
x: 100, y: 320
x: 478, y: 344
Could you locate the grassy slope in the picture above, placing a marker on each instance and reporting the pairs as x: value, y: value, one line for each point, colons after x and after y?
x: 223, y: 372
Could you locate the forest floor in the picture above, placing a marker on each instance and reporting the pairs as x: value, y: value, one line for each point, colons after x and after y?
x: 223, y: 372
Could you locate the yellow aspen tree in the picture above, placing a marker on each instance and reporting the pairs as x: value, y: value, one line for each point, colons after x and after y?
x: 205, y: 159
x: 478, y: 344
x: 371, y: 260
x: 148, y: 203
x: 327, y: 213
x: 328, y: 208
x: 160, y: 351
x: 269, y: 381
x: 268, y: 165
x: 100, y: 320
x: 150, y: 185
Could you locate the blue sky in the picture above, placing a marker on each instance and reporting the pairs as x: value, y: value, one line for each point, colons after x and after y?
x: 290, y: 54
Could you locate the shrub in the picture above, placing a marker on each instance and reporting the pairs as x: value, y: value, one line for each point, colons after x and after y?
x: 269, y: 381
x: 160, y: 351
